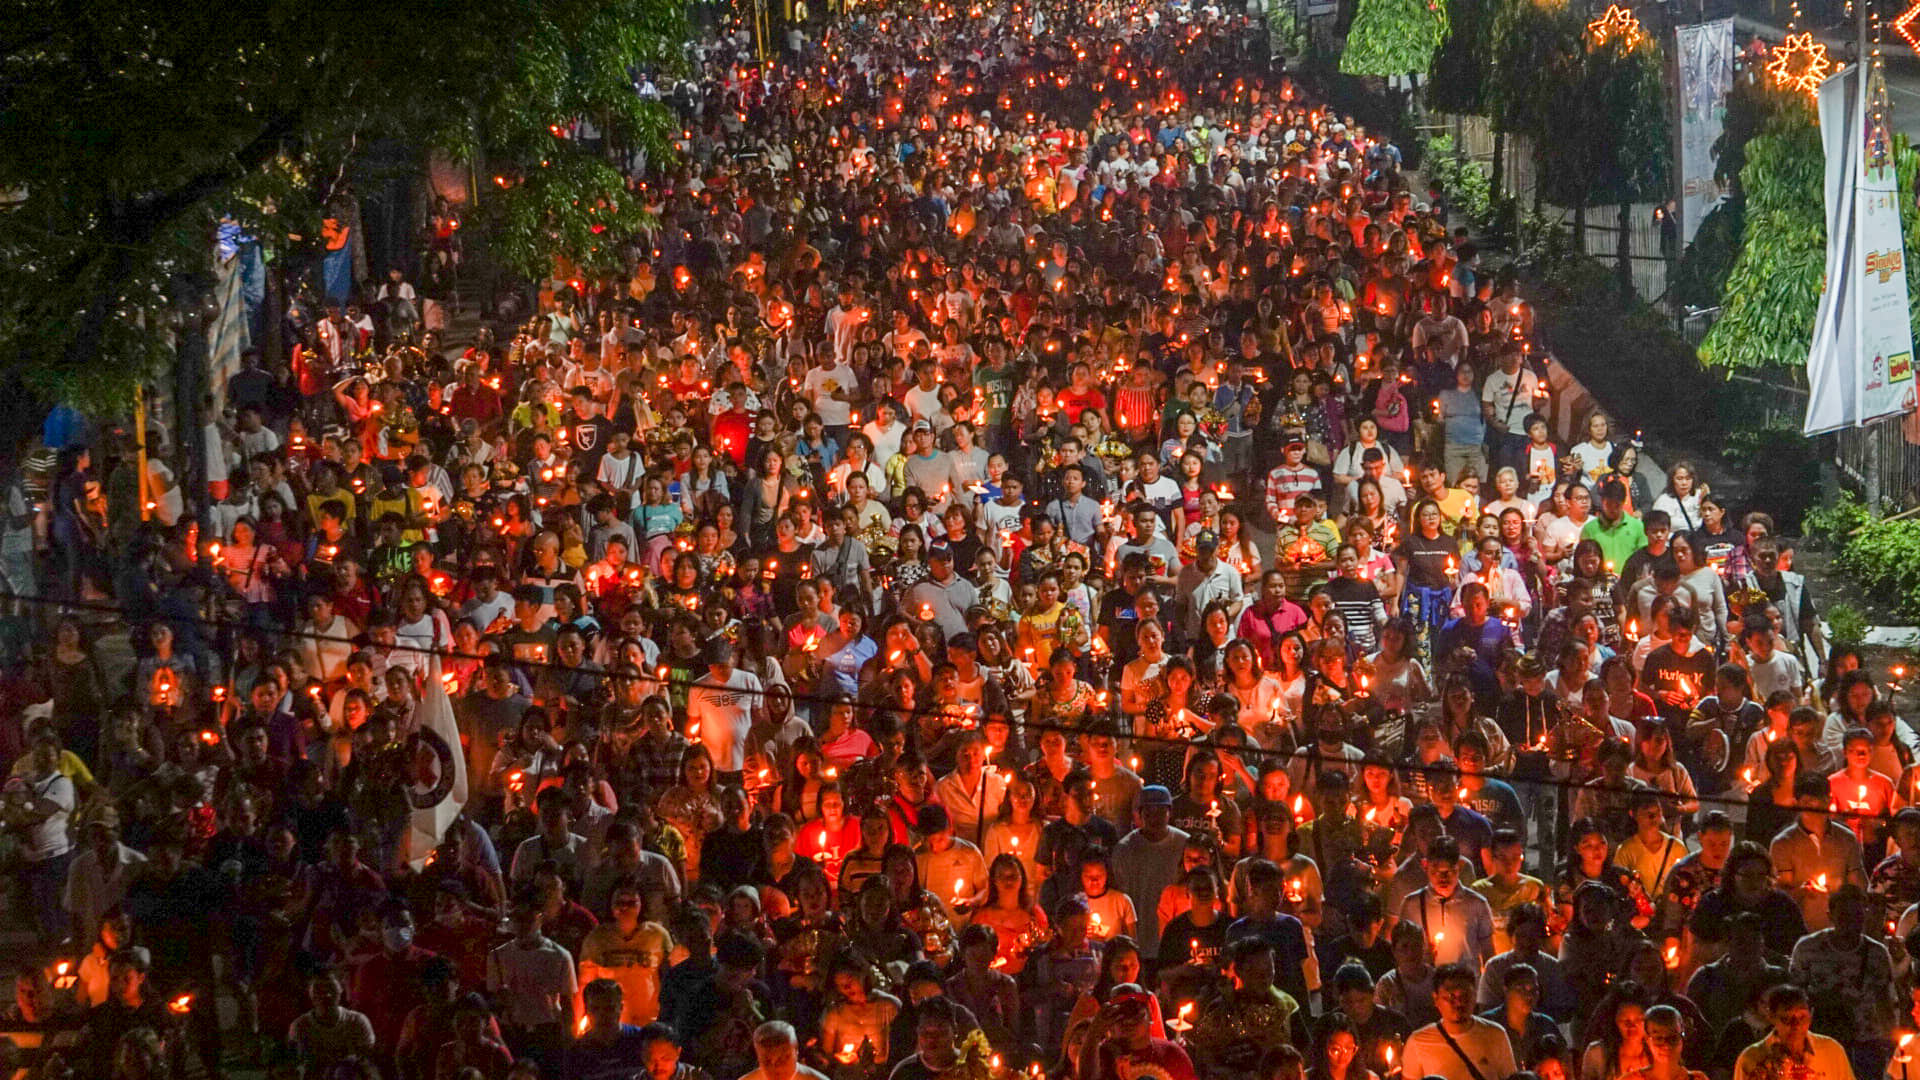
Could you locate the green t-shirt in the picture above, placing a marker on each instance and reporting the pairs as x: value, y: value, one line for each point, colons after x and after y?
x: 996, y: 392
x: 1616, y: 544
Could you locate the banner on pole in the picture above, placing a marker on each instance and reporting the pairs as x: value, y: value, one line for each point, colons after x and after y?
x: 1706, y: 53
x: 1860, y: 366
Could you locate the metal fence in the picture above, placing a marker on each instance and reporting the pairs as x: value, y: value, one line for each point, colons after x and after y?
x: 1881, y: 459
x: 1473, y: 136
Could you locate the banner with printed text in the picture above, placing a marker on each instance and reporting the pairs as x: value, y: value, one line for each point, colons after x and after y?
x: 1706, y: 53
x: 1885, y: 349
x: 1860, y: 365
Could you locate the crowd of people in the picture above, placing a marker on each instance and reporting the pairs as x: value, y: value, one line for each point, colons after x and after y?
x: 1054, y: 561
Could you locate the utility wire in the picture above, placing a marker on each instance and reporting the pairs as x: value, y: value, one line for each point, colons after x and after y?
x: 1201, y: 742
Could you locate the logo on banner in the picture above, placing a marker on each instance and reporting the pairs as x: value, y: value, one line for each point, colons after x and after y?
x: 1885, y: 264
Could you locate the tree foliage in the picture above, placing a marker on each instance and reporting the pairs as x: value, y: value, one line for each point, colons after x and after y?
x: 1394, y: 37
x: 1773, y: 290
x: 1462, y: 68
x: 129, y: 130
x: 1606, y: 133
x: 1531, y: 46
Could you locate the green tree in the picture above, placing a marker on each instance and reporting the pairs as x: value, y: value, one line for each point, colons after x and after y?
x: 129, y: 129
x: 1394, y: 37
x: 1606, y: 136
x: 1766, y: 317
x: 1462, y: 73
x: 1532, y: 39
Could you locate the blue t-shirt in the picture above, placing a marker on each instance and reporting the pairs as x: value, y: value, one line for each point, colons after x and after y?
x: 619, y: 1059
x: 1460, y: 412
x: 1289, y: 943
x: 1473, y: 831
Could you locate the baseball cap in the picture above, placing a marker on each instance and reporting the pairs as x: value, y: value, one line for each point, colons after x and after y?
x: 1207, y: 540
x: 922, y: 425
x: 1155, y: 795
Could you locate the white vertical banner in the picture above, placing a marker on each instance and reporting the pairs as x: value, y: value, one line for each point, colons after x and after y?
x: 1705, y: 52
x: 1832, y: 391
x: 1883, y: 329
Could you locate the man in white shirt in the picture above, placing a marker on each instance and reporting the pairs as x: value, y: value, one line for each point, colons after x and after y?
x: 40, y: 810
x: 328, y: 640
x: 1461, y: 1046
x: 98, y: 878
x: 1772, y: 668
x: 720, y: 711
x: 1509, y: 395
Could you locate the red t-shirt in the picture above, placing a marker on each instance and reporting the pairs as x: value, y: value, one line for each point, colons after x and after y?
x: 1161, y: 1060
x: 1074, y: 402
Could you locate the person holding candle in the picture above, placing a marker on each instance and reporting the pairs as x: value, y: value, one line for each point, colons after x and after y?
x: 950, y: 865
x: 1455, y: 920
x: 1864, y: 797
x: 1815, y: 855
x: 1792, y: 1043
x: 1679, y: 673
x: 1233, y: 1031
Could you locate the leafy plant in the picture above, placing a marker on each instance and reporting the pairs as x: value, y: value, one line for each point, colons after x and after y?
x: 1773, y: 288
x: 1884, y: 559
x: 1701, y: 279
x: 1462, y: 67
x: 130, y: 131
x: 1846, y: 625
x: 1460, y: 177
x: 1394, y: 37
x: 1833, y: 523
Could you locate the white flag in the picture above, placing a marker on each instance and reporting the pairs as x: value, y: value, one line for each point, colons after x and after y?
x: 437, y: 777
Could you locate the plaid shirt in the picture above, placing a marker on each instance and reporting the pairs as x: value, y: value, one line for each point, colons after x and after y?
x: 656, y: 761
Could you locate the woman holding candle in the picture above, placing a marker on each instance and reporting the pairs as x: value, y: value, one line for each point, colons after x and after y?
x: 1017, y: 830
x: 1012, y: 915
x: 920, y: 910
x: 1592, y: 862
x: 1139, y: 680
x: 857, y: 1013
x: 693, y: 805
x: 1379, y: 805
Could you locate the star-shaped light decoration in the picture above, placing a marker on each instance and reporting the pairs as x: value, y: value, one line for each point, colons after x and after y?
x: 1799, y: 64
x: 1905, y: 28
x: 1619, y: 24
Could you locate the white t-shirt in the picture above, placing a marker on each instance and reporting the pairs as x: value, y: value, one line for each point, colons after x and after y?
x: 1592, y: 459
x: 1485, y: 1043
x: 925, y: 405
x: 832, y: 413
x: 1512, y: 399
x: 1781, y: 671
x: 48, y: 840
x: 885, y: 440
x: 724, y: 713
